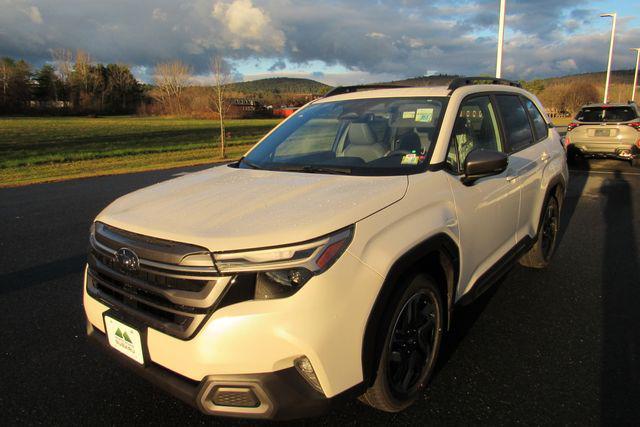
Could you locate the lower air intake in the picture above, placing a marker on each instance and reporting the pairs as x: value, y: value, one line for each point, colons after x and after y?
x: 235, y: 396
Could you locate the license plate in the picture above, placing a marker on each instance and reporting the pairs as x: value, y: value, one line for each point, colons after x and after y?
x: 124, y: 338
x: 603, y: 132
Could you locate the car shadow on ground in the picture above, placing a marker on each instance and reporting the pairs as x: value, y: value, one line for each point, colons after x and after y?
x: 39, y: 274
x: 466, y: 317
x: 620, y: 373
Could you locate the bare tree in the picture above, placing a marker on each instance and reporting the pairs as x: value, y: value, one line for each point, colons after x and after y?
x: 221, y: 78
x: 171, y: 78
x: 63, y: 60
x: 5, y: 77
x: 82, y: 69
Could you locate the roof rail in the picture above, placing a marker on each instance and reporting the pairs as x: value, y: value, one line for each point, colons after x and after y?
x: 339, y: 90
x: 467, y: 81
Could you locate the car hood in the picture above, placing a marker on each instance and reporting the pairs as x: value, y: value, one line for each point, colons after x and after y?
x: 226, y: 208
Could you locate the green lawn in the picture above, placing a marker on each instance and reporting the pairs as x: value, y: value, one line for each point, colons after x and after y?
x: 562, y: 121
x: 45, y: 149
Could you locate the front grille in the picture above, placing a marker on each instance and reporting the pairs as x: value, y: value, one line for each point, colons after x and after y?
x: 156, y: 279
x: 166, y: 296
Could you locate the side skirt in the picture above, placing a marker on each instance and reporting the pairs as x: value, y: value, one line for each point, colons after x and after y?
x: 499, y: 269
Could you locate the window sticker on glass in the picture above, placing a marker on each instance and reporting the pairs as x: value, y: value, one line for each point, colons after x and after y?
x: 410, y: 159
x: 424, y: 115
x: 408, y: 114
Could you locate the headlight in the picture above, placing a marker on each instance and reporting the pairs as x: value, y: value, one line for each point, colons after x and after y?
x: 282, y: 271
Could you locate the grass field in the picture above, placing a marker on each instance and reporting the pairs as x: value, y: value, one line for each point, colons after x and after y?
x: 562, y: 121
x: 36, y: 150
x: 47, y: 149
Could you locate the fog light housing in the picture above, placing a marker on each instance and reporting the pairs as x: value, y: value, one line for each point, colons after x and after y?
x: 305, y: 369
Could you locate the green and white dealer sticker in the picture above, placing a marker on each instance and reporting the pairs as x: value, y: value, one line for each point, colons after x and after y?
x: 124, y: 338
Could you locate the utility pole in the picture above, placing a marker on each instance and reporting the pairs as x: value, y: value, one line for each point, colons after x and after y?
x: 613, y: 36
x: 503, y: 9
x: 635, y: 78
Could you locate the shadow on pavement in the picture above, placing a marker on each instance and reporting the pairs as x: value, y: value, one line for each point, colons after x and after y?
x: 620, y: 393
x: 463, y: 320
x: 578, y: 177
x: 19, y: 280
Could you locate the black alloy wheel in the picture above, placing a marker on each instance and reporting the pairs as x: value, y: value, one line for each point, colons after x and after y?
x: 550, y: 227
x: 412, y: 345
x: 412, y: 336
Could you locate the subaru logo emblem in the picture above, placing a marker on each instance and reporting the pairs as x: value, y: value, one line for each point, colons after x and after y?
x: 127, y: 260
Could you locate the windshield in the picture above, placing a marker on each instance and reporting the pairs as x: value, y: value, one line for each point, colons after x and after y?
x: 386, y: 136
x: 606, y: 114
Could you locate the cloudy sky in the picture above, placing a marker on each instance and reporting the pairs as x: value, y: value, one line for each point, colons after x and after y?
x: 337, y: 42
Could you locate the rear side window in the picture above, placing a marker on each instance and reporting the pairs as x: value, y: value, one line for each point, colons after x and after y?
x: 606, y: 114
x: 515, y: 121
x: 539, y: 125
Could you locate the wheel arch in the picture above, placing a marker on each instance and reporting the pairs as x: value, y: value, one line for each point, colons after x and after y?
x: 556, y: 187
x: 438, y: 256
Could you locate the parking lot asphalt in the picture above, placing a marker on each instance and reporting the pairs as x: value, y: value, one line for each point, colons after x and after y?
x: 559, y: 346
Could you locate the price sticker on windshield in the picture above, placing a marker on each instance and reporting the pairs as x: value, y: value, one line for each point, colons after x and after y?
x: 410, y: 159
x: 424, y: 115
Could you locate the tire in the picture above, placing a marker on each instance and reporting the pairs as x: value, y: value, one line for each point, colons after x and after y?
x: 547, y: 238
x: 397, y: 385
x: 575, y: 158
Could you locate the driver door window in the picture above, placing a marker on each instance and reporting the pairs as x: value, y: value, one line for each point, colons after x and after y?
x: 476, y: 127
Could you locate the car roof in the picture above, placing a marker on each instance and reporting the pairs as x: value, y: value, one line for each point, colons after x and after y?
x: 399, y: 92
x: 610, y: 104
x: 422, y: 91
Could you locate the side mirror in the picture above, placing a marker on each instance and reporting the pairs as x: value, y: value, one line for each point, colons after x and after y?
x: 481, y: 163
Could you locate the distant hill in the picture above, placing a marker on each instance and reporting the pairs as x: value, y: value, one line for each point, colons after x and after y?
x: 288, y: 85
x: 597, y: 78
x: 281, y: 85
x: 435, y: 80
x: 554, y: 91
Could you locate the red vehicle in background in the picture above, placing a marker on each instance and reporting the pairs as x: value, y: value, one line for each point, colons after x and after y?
x: 284, y: 111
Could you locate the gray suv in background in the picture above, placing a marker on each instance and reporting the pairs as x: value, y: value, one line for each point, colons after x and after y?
x: 606, y: 131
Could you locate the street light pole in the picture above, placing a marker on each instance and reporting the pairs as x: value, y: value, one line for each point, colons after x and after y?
x: 503, y: 9
x: 635, y: 78
x: 613, y: 35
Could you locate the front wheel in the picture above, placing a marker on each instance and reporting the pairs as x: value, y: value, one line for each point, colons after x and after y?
x: 540, y: 254
x: 413, y: 337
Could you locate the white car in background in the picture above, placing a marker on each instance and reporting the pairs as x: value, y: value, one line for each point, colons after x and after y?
x: 330, y: 260
x: 605, y: 131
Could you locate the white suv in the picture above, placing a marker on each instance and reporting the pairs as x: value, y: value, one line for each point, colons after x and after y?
x: 329, y: 261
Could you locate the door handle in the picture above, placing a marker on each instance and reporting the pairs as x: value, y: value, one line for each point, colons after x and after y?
x: 545, y: 157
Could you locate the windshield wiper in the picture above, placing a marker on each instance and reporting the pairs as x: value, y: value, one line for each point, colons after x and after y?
x: 249, y: 163
x: 317, y: 169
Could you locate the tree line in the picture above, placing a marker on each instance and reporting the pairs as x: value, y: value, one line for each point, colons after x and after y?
x: 177, y: 92
x: 563, y: 96
x: 69, y: 84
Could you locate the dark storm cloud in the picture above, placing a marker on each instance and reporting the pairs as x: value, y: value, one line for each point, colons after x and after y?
x: 390, y: 37
x: 278, y: 65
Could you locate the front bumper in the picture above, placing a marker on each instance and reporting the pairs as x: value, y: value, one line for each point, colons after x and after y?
x: 279, y: 395
x: 324, y: 321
